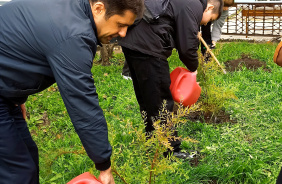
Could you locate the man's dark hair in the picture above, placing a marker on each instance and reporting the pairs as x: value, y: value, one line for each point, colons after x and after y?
x: 218, y: 6
x: 118, y: 7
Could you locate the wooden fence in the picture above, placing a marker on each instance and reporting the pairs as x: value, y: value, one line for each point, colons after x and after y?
x: 254, y: 19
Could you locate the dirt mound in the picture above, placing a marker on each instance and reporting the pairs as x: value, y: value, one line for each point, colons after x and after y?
x: 219, y: 118
x: 249, y: 63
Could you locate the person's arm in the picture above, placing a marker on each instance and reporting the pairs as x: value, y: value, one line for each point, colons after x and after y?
x: 278, y: 54
x: 279, y: 58
x: 71, y: 64
x: 23, y: 109
x: 106, y: 177
x: 187, y: 28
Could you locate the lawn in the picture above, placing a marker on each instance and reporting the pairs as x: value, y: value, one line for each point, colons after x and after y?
x: 247, y: 150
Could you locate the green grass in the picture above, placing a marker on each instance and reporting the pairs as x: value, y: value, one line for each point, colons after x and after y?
x: 248, y: 152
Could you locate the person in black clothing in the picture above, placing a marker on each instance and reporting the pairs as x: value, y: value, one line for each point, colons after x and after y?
x: 206, y: 34
x: 148, y: 45
x: 43, y: 42
x: 125, y: 71
x: 279, y: 179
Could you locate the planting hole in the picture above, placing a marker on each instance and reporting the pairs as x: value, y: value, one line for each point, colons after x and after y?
x: 247, y: 61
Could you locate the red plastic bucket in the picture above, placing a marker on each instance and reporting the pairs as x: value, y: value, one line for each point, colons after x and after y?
x: 85, y: 178
x: 184, y: 86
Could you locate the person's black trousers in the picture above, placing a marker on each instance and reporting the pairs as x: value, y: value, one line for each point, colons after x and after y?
x: 18, y: 152
x: 279, y: 179
x: 206, y: 35
x: 151, y: 80
x: 125, y: 70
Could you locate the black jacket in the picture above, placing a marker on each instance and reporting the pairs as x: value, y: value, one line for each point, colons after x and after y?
x: 177, y: 28
x: 47, y: 41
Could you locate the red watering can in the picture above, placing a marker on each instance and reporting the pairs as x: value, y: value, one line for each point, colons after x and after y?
x: 85, y: 178
x: 184, y: 87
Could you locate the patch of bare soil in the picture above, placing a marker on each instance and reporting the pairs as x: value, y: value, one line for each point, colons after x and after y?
x: 194, y: 162
x: 249, y: 63
x: 219, y: 118
x: 206, y: 117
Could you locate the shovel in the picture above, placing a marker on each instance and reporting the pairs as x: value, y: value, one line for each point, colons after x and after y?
x: 211, y: 53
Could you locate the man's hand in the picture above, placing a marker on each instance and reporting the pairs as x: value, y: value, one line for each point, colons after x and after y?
x: 199, y: 34
x: 23, y: 109
x: 106, y: 177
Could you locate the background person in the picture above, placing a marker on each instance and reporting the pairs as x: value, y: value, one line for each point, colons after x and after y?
x: 148, y: 45
x: 212, y: 35
x: 43, y: 42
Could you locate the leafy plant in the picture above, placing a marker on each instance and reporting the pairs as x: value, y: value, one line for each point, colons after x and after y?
x: 213, y: 97
x: 145, y: 161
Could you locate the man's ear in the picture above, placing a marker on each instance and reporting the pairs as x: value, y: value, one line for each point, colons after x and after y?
x: 98, y: 9
x: 209, y: 7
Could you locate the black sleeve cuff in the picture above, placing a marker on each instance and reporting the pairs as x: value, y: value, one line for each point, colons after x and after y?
x: 103, y: 166
x: 192, y: 67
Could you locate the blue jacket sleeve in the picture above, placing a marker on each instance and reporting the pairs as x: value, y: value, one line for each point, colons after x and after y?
x: 71, y: 63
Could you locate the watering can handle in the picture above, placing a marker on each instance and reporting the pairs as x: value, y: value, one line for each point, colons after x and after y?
x: 177, y: 81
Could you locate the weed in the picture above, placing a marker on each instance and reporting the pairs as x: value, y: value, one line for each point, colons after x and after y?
x: 145, y: 161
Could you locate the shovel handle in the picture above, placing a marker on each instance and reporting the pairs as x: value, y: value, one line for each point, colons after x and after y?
x: 211, y: 53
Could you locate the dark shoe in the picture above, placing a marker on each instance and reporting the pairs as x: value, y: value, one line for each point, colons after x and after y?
x: 183, y: 155
x: 212, y: 47
x: 207, y: 57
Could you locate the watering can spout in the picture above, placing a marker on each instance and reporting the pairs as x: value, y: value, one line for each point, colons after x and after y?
x: 184, y: 86
x: 85, y: 178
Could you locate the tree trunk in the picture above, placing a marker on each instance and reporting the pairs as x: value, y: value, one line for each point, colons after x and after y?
x: 106, y: 52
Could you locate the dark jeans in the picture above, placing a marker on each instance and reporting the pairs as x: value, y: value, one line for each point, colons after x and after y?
x: 279, y: 179
x: 206, y: 35
x: 18, y: 152
x: 151, y: 81
x: 125, y: 70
